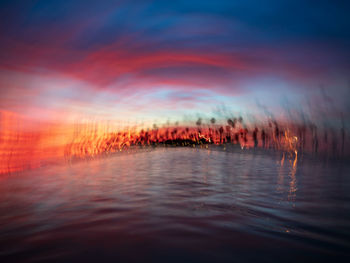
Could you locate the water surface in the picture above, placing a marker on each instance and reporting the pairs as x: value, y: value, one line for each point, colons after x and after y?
x: 177, y: 205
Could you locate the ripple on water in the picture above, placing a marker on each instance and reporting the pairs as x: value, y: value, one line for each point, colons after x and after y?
x: 177, y: 205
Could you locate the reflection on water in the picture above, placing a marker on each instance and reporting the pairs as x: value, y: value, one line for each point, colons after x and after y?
x: 177, y: 204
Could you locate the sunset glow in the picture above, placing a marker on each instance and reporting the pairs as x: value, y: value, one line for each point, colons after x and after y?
x: 174, y: 131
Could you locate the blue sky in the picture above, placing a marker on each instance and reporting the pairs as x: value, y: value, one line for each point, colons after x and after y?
x: 152, y: 59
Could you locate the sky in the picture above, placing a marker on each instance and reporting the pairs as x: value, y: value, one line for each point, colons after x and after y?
x: 141, y: 60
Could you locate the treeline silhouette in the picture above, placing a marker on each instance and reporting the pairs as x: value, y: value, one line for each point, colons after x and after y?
x: 234, y: 131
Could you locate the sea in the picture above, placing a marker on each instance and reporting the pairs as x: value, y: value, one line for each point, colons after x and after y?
x: 178, y: 205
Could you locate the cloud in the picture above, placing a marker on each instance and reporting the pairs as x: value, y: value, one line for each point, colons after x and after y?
x: 92, y: 56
